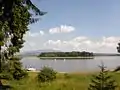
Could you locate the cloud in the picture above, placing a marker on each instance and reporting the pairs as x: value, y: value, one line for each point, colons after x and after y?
x: 42, y: 32
x: 33, y: 40
x: 37, y: 41
x: 105, y: 44
x: 62, y: 29
x: 34, y: 34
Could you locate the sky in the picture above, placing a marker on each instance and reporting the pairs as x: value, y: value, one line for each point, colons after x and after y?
x: 75, y: 25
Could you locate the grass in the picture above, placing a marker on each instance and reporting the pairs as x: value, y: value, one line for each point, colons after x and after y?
x: 73, y: 81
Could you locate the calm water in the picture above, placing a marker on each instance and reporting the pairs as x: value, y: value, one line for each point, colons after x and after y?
x: 72, y: 65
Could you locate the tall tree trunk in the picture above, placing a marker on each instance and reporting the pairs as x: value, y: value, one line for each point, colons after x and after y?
x: 0, y: 65
x: 0, y: 82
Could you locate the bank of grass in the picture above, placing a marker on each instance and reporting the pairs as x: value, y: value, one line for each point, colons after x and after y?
x: 76, y: 81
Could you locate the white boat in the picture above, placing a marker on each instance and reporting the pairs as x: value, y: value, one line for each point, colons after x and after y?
x: 31, y: 69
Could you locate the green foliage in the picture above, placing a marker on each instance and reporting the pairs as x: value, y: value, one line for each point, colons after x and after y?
x: 19, y: 74
x: 66, y: 54
x: 117, y: 69
x: 118, y: 48
x: 67, y: 76
x: 46, y: 74
x: 15, y: 16
x: 102, y: 81
x: 15, y: 68
x: 75, y: 82
x: 6, y: 75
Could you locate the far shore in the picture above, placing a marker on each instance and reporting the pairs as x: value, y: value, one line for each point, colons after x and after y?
x: 66, y: 57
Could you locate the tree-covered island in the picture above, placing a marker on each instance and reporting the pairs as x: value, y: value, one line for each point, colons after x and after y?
x: 66, y: 55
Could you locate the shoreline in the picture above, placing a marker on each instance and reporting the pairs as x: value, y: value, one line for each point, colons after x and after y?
x: 78, y: 72
x: 66, y: 57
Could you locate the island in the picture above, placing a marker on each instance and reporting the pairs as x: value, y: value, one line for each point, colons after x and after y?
x: 66, y: 55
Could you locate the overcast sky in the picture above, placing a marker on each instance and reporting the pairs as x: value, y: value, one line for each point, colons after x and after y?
x: 91, y: 25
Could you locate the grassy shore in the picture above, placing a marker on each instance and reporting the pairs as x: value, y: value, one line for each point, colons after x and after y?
x: 73, y: 81
x: 66, y: 58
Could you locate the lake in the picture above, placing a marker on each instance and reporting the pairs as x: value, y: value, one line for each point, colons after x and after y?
x: 87, y: 65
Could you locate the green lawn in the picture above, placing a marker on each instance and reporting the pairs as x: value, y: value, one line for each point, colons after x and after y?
x: 76, y: 81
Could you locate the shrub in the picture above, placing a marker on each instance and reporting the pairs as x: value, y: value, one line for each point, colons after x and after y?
x: 46, y: 74
x: 102, y: 81
x: 6, y: 76
x: 19, y: 74
x: 67, y: 76
x: 14, y: 68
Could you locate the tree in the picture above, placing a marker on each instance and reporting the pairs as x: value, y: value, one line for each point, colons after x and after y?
x: 46, y: 74
x: 102, y: 81
x: 15, y: 16
x: 118, y: 48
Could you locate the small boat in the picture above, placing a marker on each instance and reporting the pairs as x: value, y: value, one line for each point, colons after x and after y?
x: 31, y: 69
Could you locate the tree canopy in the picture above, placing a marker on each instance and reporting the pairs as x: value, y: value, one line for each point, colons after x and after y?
x: 102, y: 81
x: 15, y: 16
x: 118, y: 48
x: 66, y: 54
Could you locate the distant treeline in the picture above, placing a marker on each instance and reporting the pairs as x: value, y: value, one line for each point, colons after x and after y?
x: 66, y: 54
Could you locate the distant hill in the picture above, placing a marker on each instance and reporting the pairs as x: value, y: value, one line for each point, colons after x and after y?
x: 37, y: 52
x: 106, y: 54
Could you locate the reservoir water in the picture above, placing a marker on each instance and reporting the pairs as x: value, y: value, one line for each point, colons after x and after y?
x: 75, y: 65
